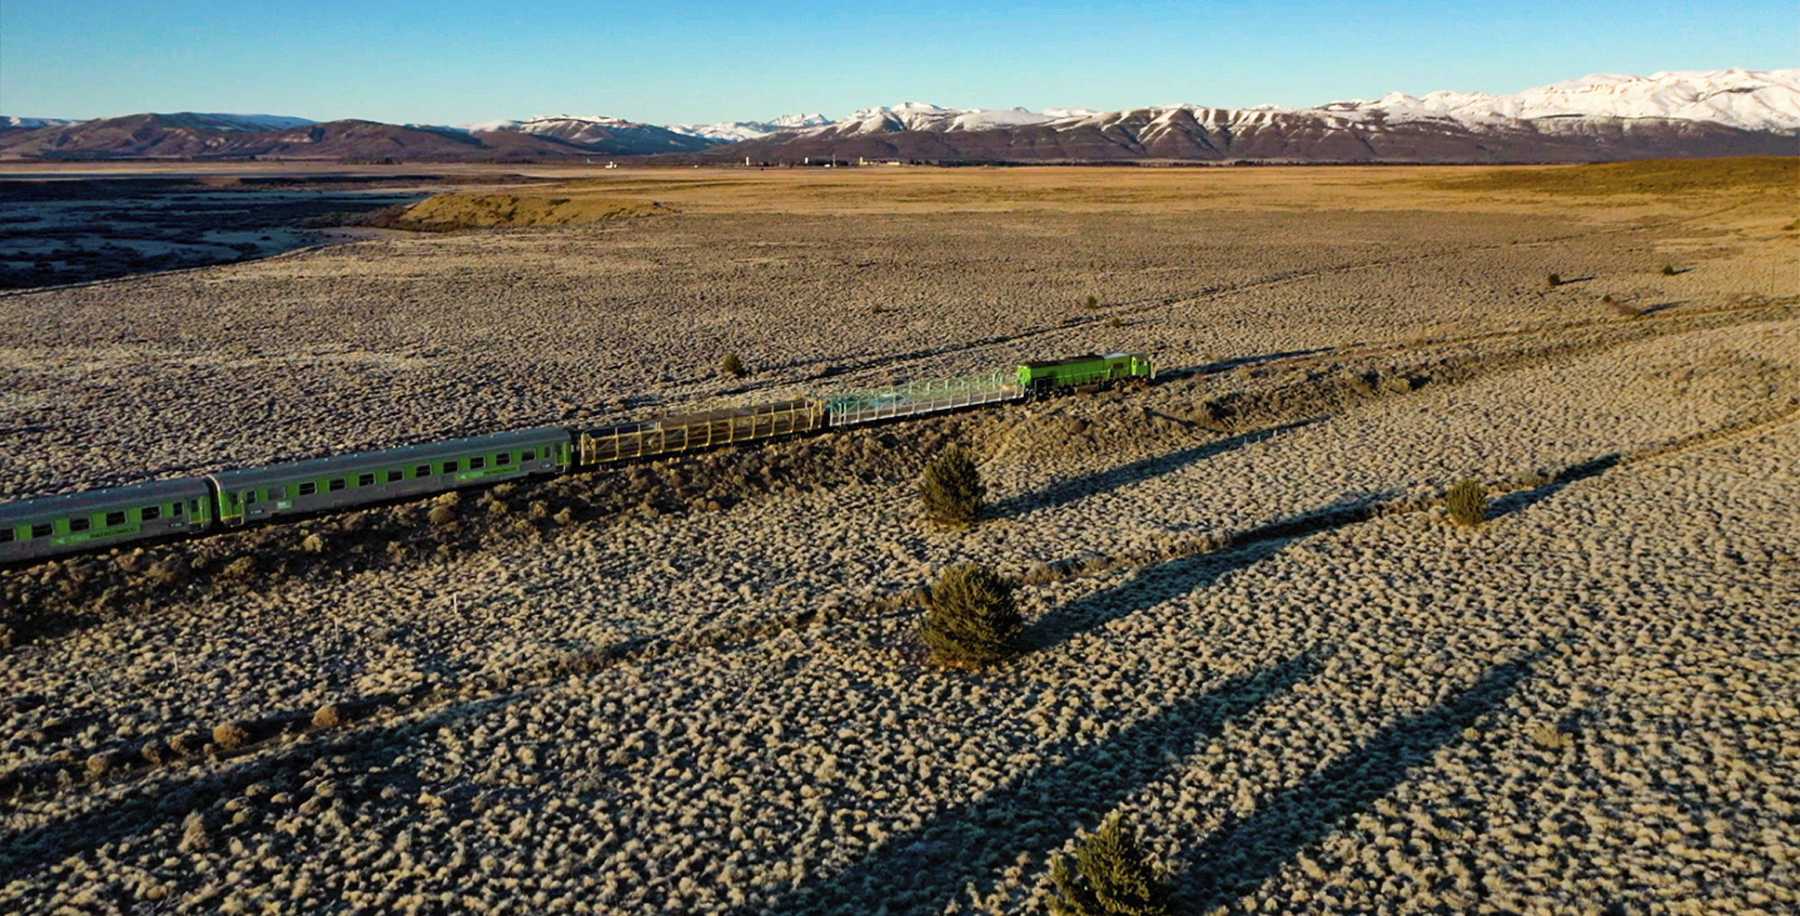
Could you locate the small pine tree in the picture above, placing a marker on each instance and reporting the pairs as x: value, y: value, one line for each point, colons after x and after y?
x: 1467, y: 503
x: 732, y: 366
x: 970, y: 617
x: 1110, y: 874
x: 951, y: 488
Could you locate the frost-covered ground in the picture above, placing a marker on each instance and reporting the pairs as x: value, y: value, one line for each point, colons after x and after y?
x: 1586, y: 703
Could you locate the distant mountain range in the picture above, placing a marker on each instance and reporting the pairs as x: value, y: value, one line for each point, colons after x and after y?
x: 1688, y: 113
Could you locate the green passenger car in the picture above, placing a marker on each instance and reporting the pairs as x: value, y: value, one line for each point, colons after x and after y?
x: 1080, y: 371
x: 52, y: 525
x: 319, y: 484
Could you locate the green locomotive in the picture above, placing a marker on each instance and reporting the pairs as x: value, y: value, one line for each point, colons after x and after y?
x: 1038, y: 379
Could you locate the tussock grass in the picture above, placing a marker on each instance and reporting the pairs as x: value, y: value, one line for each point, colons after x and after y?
x: 1110, y: 873
x: 1622, y: 309
x: 1093, y: 302
x: 451, y: 212
x: 970, y: 617
x: 1467, y: 503
x: 732, y: 366
x: 1662, y: 178
x: 1554, y: 280
x: 951, y: 488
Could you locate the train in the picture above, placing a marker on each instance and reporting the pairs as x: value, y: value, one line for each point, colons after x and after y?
x: 42, y: 528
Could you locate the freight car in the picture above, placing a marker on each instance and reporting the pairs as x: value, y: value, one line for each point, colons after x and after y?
x: 50, y: 526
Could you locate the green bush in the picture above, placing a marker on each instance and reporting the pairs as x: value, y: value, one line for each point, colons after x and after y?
x: 1110, y: 873
x: 970, y: 617
x: 1093, y: 302
x: 1467, y: 503
x: 732, y: 366
x: 951, y: 488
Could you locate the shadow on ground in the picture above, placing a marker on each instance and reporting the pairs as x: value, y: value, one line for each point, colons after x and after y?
x: 1182, y: 576
x: 923, y: 870
x: 1063, y: 492
x: 1242, y: 855
x: 1525, y: 499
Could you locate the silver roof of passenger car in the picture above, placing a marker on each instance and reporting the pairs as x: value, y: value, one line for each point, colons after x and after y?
x: 389, y: 457
x: 137, y: 494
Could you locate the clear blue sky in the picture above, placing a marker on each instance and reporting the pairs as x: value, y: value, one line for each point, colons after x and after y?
x: 451, y: 61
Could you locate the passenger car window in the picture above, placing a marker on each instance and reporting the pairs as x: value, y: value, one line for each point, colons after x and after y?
x: 79, y: 524
x: 308, y: 488
x: 152, y: 513
x: 249, y: 497
x: 40, y: 531
x: 423, y: 470
x: 6, y: 535
x: 477, y: 462
x: 395, y: 475
x: 115, y: 518
x: 527, y: 455
x: 449, y: 467
x: 365, y: 480
x: 503, y: 459
x: 335, y: 485
x: 175, y: 510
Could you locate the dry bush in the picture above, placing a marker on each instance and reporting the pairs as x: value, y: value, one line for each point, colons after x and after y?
x: 970, y: 617
x: 1467, y: 502
x: 1622, y: 309
x: 442, y: 516
x: 1669, y: 270
x: 1110, y: 873
x: 1093, y: 302
x: 331, y: 715
x: 732, y: 366
x: 951, y: 488
x: 230, y: 735
x: 1555, y: 280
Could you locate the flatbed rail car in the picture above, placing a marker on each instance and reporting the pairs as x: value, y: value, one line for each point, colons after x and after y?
x: 693, y: 432
x: 35, y: 529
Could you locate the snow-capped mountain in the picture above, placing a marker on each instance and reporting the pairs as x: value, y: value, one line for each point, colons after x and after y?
x: 599, y: 133
x: 734, y: 131
x: 1746, y: 99
x: 16, y: 122
x: 926, y: 116
x: 248, y: 122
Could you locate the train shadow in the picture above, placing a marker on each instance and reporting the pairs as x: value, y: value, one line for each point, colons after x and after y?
x: 1244, y: 853
x: 924, y: 869
x: 1236, y: 362
x: 1063, y: 492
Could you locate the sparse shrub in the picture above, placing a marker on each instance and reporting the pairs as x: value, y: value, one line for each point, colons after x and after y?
x: 951, y: 487
x: 314, y: 543
x: 970, y: 617
x: 1551, y: 737
x: 442, y: 516
x: 1555, y: 280
x: 1467, y: 502
x: 1115, y: 322
x: 1110, y: 873
x: 1093, y: 302
x: 1622, y: 309
x: 230, y: 735
x: 564, y: 516
x: 100, y: 764
x: 1669, y: 270
x: 732, y: 366
x: 331, y: 715
x: 240, y: 568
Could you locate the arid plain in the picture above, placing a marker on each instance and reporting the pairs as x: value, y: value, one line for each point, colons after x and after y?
x: 695, y: 685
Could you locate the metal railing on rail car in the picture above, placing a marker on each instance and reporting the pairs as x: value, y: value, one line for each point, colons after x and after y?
x: 691, y: 432
x: 922, y: 397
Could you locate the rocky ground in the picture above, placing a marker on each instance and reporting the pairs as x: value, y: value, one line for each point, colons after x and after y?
x: 698, y: 689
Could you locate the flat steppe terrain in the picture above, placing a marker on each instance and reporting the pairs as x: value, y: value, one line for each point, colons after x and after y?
x: 695, y: 685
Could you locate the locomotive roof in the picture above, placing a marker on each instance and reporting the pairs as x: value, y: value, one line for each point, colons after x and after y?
x: 386, y: 457
x: 137, y: 494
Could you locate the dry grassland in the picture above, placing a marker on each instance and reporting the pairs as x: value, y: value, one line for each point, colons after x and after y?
x: 697, y: 685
